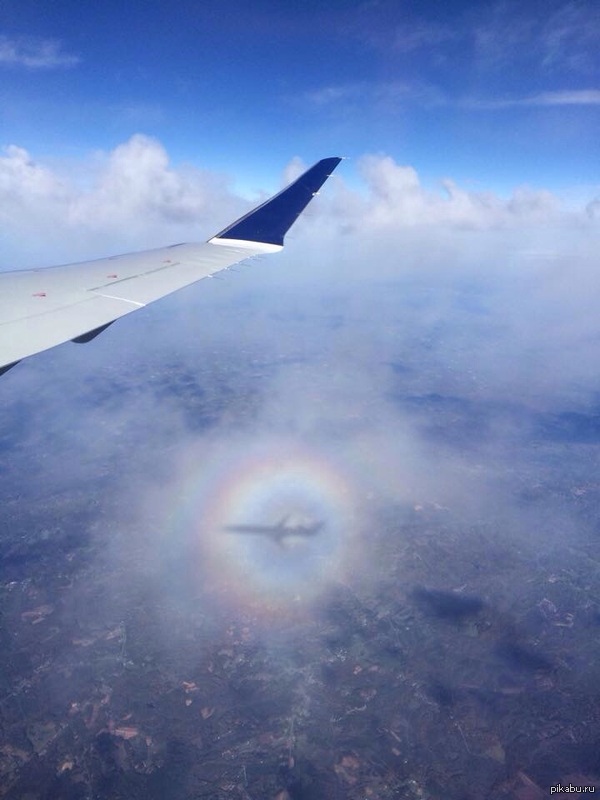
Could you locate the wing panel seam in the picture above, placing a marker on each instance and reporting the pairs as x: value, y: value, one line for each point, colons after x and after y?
x: 122, y: 299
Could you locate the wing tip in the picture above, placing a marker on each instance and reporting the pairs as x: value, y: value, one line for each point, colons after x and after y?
x: 269, y: 222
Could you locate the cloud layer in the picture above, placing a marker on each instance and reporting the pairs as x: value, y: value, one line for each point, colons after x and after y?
x: 134, y: 197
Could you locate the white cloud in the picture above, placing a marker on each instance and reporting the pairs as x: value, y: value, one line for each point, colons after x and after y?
x: 23, y: 181
x: 136, y: 199
x: 570, y: 37
x: 397, y: 199
x: 326, y: 95
x: 293, y: 170
x: 567, y: 38
x: 384, y: 96
x: 34, y: 53
x: 138, y: 186
x: 573, y: 97
x: 487, y: 39
x: 419, y: 35
x: 589, y: 97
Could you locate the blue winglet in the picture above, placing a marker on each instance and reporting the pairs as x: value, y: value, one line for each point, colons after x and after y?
x: 271, y: 221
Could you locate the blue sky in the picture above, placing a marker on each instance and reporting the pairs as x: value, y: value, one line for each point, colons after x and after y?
x: 492, y: 94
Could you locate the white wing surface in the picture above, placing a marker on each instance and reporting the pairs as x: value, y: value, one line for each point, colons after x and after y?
x: 41, y: 308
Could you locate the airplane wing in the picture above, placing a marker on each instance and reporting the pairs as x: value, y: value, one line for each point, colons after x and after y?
x: 42, y: 308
